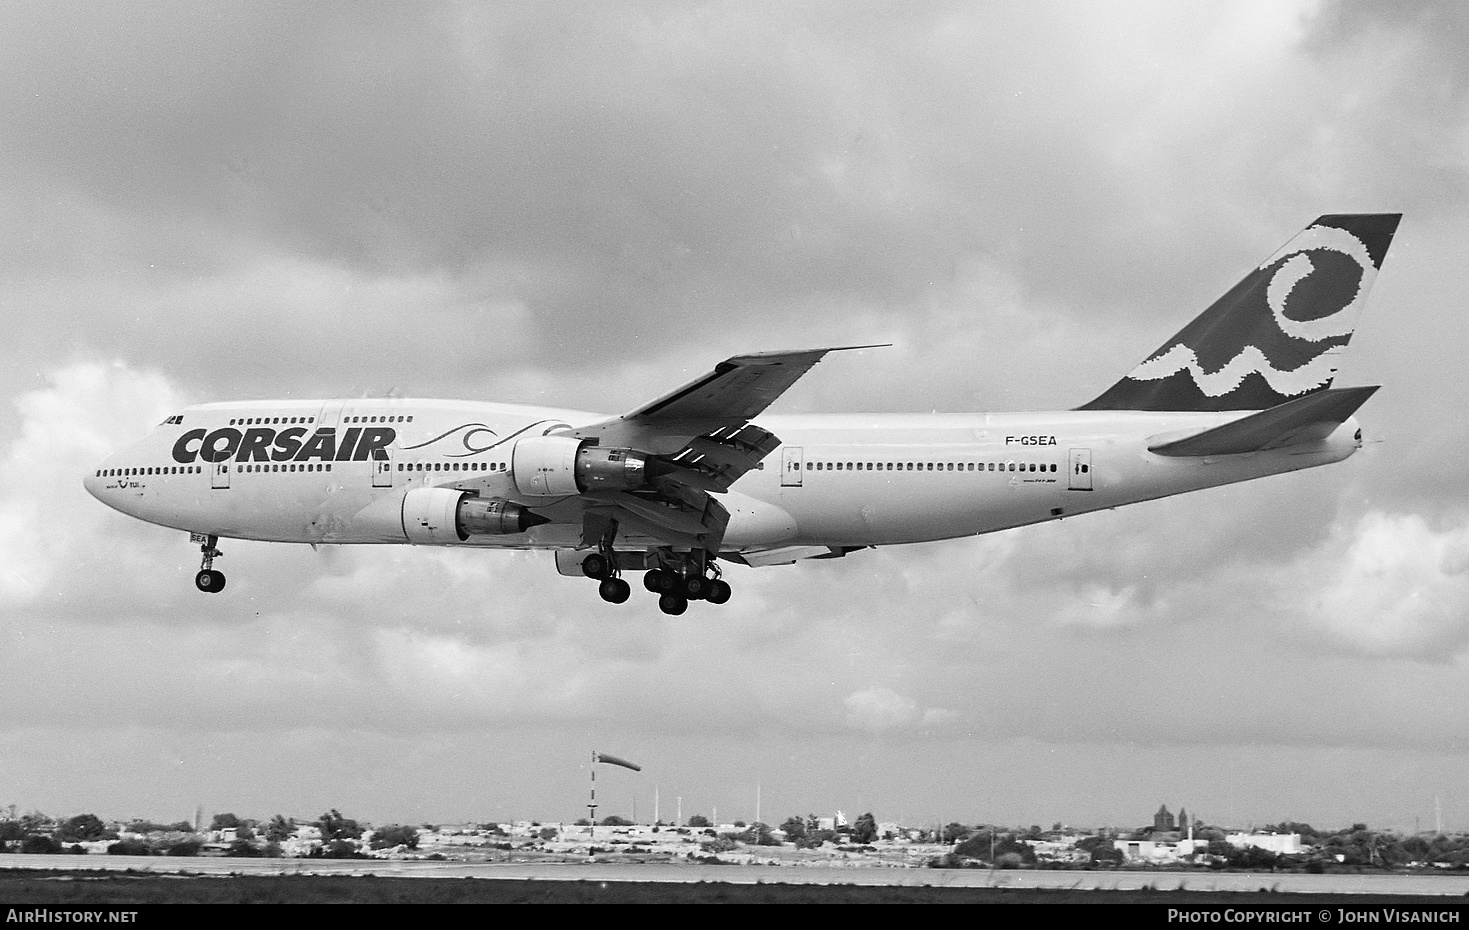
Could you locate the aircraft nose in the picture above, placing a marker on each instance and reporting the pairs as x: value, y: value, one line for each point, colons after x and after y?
x: 96, y: 479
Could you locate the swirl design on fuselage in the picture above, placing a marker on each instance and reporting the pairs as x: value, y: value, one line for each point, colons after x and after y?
x: 477, y: 438
x: 1291, y: 267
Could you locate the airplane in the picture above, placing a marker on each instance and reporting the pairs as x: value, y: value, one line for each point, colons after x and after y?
x: 702, y: 477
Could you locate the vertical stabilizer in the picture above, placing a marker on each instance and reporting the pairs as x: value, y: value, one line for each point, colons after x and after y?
x: 1275, y: 336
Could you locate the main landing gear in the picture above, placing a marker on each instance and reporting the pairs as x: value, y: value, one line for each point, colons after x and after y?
x: 676, y: 582
x: 208, y: 580
x: 675, y: 590
x: 679, y: 578
x: 603, y: 567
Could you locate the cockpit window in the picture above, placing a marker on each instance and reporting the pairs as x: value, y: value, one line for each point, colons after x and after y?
x: 177, y: 418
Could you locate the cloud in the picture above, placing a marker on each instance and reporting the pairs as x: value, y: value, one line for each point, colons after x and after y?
x: 881, y: 711
x: 1392, y: 585
x: 47, y: 522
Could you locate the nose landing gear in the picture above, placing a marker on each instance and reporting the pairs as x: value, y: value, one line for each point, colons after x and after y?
x: 208, y: 580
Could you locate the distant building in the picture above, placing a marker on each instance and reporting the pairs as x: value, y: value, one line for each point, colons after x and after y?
x: 1284, y: 844
x: 1163, y: 821
x: 1151, y: 851
x: 1062, y: 848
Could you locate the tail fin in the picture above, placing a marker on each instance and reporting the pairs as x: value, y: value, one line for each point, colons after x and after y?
x: 1276, y: 335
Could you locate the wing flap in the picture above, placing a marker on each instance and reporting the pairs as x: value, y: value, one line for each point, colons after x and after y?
x: 789, y: 555
x: 1303, y: 420
x: 691, y: 514
x: 719, y: 458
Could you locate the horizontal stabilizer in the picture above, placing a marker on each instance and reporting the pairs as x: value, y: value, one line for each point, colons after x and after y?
x: 1303, y: 420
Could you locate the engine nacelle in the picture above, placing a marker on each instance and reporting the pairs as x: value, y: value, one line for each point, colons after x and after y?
x: 560, y: 466
x: 444, y: 516
x: 494, y: 517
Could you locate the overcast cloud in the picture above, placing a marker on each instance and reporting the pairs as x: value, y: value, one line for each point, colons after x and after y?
x: 583, y: 204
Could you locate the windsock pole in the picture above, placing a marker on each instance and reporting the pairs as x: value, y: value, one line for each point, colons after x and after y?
x: 611, y: 760
x: 592, y: 804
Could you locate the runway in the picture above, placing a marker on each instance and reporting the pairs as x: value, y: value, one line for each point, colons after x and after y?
x: 1454, y: 884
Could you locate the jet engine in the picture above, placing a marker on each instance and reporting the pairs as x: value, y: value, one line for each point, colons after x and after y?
x: 443, y: 515
x: 560, y: 466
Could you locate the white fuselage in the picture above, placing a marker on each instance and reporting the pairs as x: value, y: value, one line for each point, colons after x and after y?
x: 336, y: 472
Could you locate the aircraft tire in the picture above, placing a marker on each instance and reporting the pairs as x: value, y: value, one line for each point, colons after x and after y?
x: 209, y: 581
x: 596, y: 566
x: 651, y: 581
x: 614, y: 590
x: 695, y: 587
x: 673, y: 604
x: 719, y: 592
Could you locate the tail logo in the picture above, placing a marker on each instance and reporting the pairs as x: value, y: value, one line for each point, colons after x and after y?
x: 1297, y: 267
x: 1330, y: 305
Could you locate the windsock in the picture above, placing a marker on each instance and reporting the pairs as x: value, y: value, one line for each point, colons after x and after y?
x: 613, y: 760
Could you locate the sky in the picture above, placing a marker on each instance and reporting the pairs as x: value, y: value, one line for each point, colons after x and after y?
x: 586, y: 204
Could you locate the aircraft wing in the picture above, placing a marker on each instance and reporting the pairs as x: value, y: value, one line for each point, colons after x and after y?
x: 703, y: 434
x: 736, y: 391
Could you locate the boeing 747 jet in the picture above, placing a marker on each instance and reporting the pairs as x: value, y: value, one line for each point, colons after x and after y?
x: 702, y: 478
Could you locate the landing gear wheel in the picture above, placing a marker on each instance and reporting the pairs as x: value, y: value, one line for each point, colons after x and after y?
x: 695, y: 587
x: 652, y: 581
x: 673, y: 604
x: 597, y: 566
x: 667, y: 582
x: 614, y: 590
x: 208, y: 580
x: 718, y: 592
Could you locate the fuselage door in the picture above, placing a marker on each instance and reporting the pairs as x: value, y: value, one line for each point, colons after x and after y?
x: 791, y: 462
x: 1081, y: 470
x: 331, y: 411
x: 219, y: 476
x: 382, y: 468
